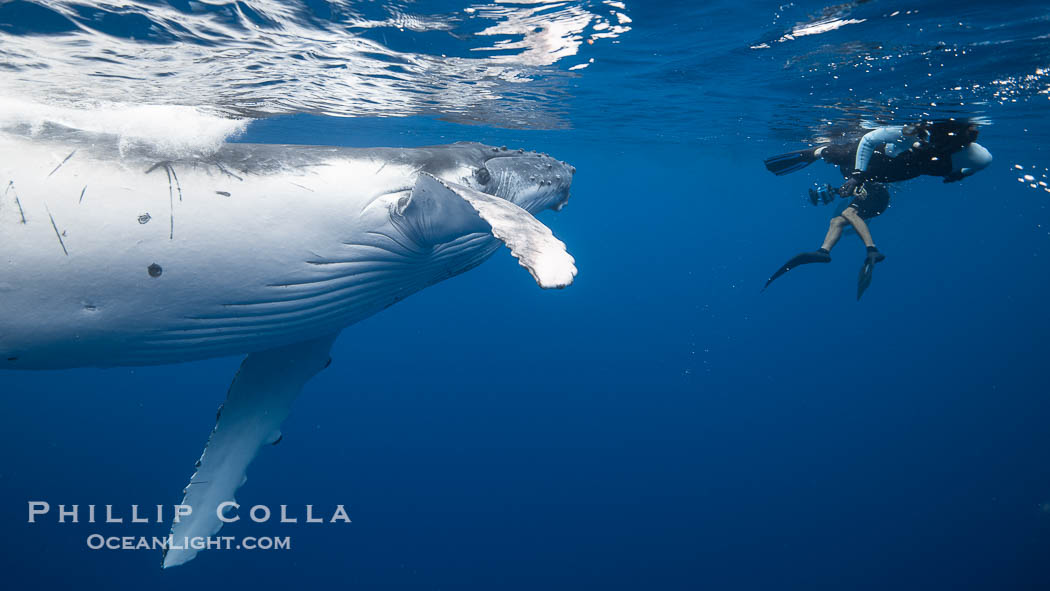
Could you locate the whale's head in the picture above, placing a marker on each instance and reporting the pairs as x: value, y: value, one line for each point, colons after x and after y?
x: 473, y: 190
x: 530, y: 180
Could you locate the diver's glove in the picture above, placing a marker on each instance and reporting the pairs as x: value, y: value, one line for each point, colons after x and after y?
x: 855, y: 181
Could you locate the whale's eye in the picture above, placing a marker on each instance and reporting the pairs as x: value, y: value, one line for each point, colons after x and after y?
x: 483, y: 176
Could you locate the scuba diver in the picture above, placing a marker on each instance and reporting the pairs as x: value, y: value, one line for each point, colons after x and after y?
x: 889, y: 154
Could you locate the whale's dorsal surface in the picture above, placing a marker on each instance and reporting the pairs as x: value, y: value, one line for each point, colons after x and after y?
x: 120, y: 256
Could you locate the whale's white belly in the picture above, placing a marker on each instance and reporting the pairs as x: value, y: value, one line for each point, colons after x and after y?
x: 106, y: 263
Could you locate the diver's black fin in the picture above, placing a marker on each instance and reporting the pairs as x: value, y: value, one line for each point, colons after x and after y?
x: 817, y: 256
x: 864, y: 279
x: 790, y: 162
x: 866, y: 271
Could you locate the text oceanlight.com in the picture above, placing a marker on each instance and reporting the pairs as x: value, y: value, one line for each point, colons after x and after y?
x: 100, y: 542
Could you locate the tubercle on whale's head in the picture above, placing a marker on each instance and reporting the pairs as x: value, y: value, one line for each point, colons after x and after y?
x: 530, y: 180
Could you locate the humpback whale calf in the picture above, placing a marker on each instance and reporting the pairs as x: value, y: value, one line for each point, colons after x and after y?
x: 114, y: 255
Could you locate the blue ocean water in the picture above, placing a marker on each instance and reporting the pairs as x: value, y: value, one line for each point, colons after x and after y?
x: 661, y: 423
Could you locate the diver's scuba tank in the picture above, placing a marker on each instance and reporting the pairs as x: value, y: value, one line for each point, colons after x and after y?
x: 825, y: 195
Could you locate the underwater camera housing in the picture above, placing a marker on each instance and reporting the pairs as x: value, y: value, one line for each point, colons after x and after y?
x: 825, y: 195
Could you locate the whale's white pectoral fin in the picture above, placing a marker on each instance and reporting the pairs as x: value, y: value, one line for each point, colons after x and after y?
x: 531, y: 242
x: 257, y: 403
x: 440, y: 210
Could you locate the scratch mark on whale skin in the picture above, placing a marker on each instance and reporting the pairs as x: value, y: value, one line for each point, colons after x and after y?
x: 11, y: 188
x: 171, y: 206
x: 61, y: 163
x: 57, y: 233
x: 170, y: 170
x: 82, y: 191
x: 178, y: 185
x: 227, y: 172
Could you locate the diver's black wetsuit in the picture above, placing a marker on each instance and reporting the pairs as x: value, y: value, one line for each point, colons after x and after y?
x: 931, y: 158
x: 873, y: 202
x: 883, y: 169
